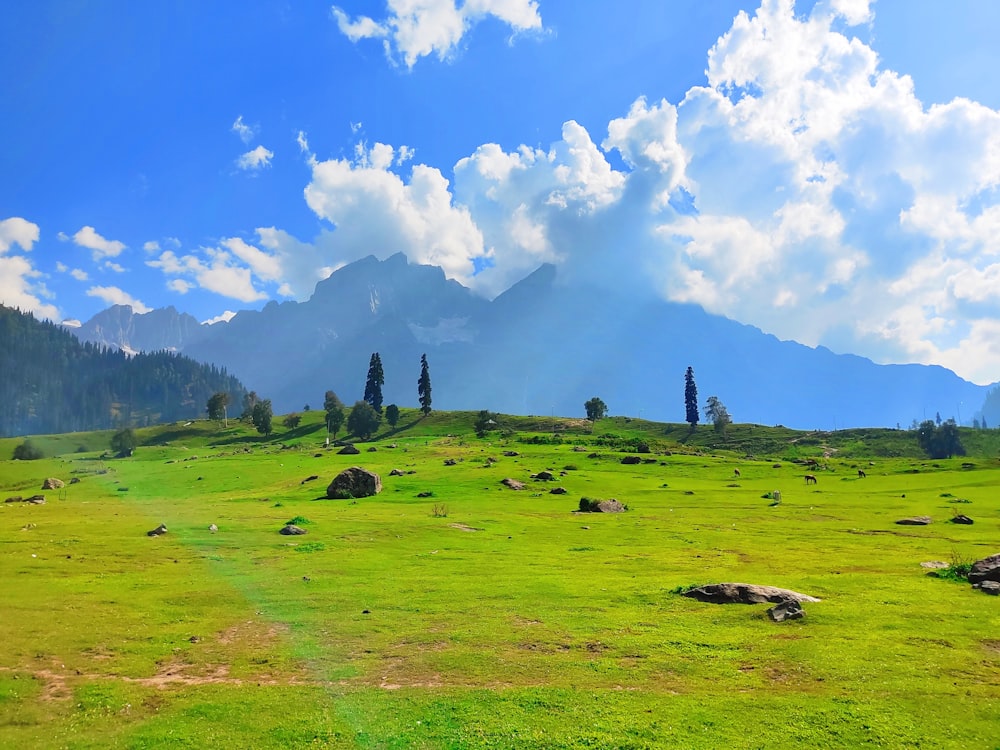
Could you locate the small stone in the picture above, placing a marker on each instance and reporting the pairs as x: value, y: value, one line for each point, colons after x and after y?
x: 292, y: 530
x: 962, y: 519
x: 786, y: 610
x: 914, y: 521
x: 158, y: 531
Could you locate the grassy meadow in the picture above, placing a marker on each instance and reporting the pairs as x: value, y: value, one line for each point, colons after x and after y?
x: 484, y: 617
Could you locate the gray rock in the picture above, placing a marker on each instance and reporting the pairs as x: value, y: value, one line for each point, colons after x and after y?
x: 609, y: 506
x: 53, y: 484
x: 158, y: 531
x: 511, y: 454
x: 292, y: 530
x: 557, y: 491
x: 745, y: 593
x: 450, y: 462
x: 512, y: 483
x: 544, y: 476
x: 632, y: 460
x: 355, y: 482
x: 962, y: 519
x: 987, y: 569
x: 36, y: 500
x: 348, y: 450
x: 786, y: 610
x: 75, y: 480
x: 396, y: 473
x: 914, y: 521
x: 989, y: 587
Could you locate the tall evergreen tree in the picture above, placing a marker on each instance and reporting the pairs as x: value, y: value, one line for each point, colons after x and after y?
x: 374, y: 383
x: 424, y: 386
x: 690, y: 398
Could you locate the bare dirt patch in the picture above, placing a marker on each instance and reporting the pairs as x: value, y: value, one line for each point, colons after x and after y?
x: 463, y: 527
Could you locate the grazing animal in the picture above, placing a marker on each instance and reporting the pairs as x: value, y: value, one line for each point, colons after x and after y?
x: 861, y: 474
x: 810, y: 479
x: 737, y: 473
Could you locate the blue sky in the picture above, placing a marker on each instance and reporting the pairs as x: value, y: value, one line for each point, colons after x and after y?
x: 825, y: 170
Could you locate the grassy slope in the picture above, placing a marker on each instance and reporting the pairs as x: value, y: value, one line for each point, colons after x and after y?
x: 540, y: 628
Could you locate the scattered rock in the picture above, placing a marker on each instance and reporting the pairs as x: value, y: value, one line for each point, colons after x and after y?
x: 511, y: 454
x: 292, y: 530
x: 579, y: 449
x: 213, y: 528
x: 632, y: 460
x: 75, y: 480
x: 425, y: 493
x: 317, y: 455
x: 512, y: 483
x: 745, y: 593
x: 786, y: 610
x: 158, y: 531
x: 557, y: 491
x: 934, y: 565
x: 14, y: 499
x: 610, y: 506
x: 36, y: 500
x: 354, y: 482
x: 312, y: 478
x: 348, y: 450
x: 450, y: 462
x: 593, y: 455
x: 989, y: 587
x: 543, y: 476
x: 914, y: 521
x: 53, y: 484
x: 396, y: 473
x: 963, y: 519
x: 987, y: 569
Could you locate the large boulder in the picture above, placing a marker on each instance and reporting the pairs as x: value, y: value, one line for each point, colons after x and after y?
x: 354, y: 482
x: 292, y: 530
x: 53, y: 484
x: 348, y: 450
x: 962, y: 519
x: 914, y: 521
x: 608, y: 506
x: 745, y: 593
x: 989, y: 587
x: 987, y: 569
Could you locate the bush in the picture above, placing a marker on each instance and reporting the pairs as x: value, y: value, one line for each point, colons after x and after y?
x: 28, y: 451
x: 123, y: 442
x: 298, y: 521
x: 588, y: 505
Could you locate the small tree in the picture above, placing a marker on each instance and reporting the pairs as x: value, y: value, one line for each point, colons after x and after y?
x: 596, y: 409
x: 262, y: 416
x: 217, y: 407
x: 392, y: 415
x: 716, y: 411
x: 249, y: 402
x: 28, y: 451
x: 690, y: 399
x: 424, y: 386
x: 334, y: 408
x: 291, y: 421
x: 123, y: 442
x: 363, y: 420
x: 374, y: 383
x: 485, y: 421
x: 940, y: 441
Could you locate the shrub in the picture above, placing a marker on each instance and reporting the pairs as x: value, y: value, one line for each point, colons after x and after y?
x: 28, y: 451
x: 440, y: 510
x: 298, y: 521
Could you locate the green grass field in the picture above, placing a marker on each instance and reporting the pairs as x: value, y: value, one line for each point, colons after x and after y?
x: 486, y: 617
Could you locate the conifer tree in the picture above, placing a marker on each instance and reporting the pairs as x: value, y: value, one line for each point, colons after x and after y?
x: 374, y: 383
x: 690, y: 398
x: 424, y: 386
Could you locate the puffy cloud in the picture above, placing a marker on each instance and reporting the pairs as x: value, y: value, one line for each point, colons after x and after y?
x: 112, y: 266
x: 418, y: 28
x: 151, y: 246
x: 17, y: 231
x: 216, y: 271
x: 101, y: 248
x: 112, y: 295
x: 19, y: 288
x: 79, y: 274
x: 255, y: 159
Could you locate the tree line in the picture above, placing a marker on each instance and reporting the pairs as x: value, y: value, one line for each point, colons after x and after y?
x: 52, y: 382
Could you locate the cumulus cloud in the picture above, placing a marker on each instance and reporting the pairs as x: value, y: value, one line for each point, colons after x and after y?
x: 112, y: 295
x: 79, y: 274
x: 99, y: 246
x: 419, y: 28
x: 214, y: 270
x: 255, y: 159
x: 17, y: 231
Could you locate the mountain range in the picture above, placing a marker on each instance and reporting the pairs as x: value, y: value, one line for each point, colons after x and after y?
x: 541, y: 347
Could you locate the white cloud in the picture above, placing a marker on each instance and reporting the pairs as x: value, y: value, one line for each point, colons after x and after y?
x: 19, y: 288
x: 258, y: 158
x: 418, y: 28
x: 180, y: 286
x: 79, y: 274
x: 151, y: 246
x: 112, y: 295
x: 215, y: 272
x: 101, y: 248
x: 112, y: 266
x: 17, y: 231
x: 61, y: 267
x: 245, y: 132
x: 224, y: 318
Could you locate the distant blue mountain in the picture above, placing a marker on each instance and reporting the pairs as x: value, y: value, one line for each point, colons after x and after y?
x: 546, y: 347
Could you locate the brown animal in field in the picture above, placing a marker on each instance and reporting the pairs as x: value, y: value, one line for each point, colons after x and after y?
x: 736, y: 472
x: 810, y: 479
x: 861, y: 474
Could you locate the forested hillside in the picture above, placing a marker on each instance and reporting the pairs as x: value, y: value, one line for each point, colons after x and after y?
x: 51, y: 382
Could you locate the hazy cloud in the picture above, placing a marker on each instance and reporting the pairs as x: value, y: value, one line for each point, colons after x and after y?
x: 245, y: 132
x: 415, y: 29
